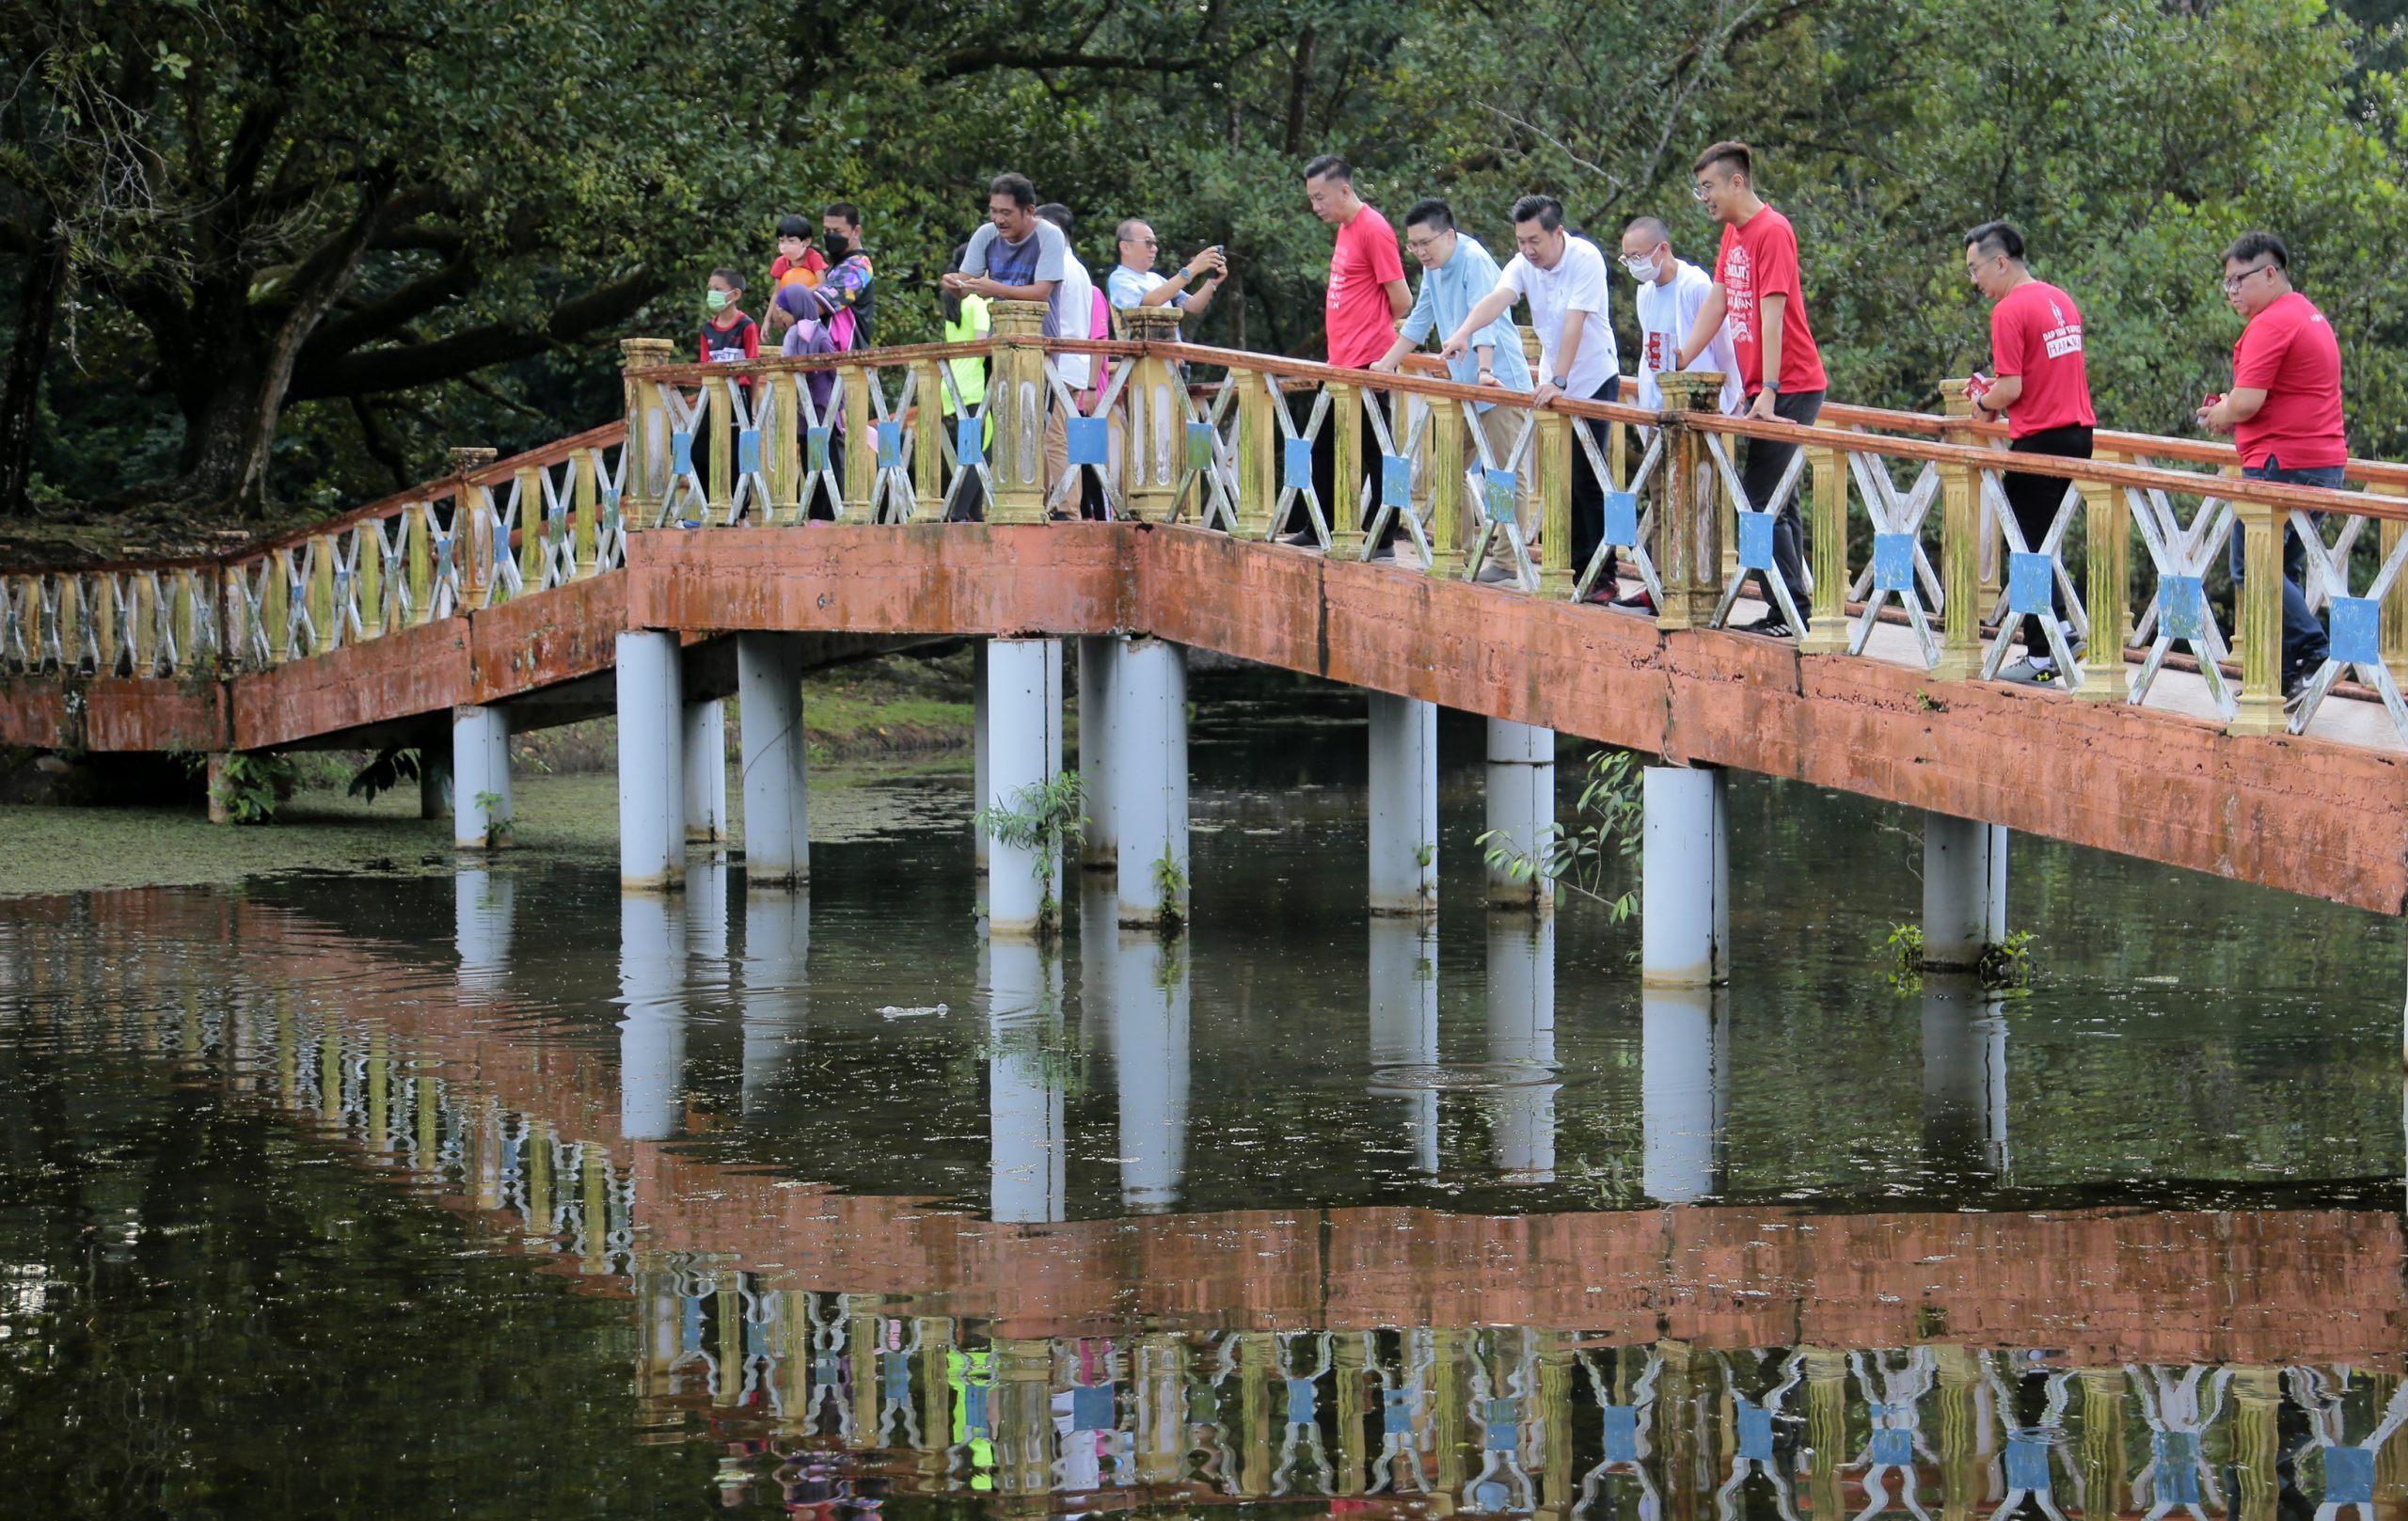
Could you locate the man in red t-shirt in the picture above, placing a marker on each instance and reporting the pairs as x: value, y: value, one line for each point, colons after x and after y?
x: 1368, y: 297
x: 2284, y: 413
x: 1756, y: 290
x: 2042, y: 387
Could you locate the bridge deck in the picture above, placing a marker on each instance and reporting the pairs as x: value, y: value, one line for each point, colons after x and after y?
x: 2324, y: 814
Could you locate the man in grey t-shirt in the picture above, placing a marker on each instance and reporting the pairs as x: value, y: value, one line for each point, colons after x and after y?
x: 1018, y: 255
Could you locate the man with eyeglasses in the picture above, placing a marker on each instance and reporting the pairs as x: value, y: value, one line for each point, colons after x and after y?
x: 2042, y: 387
x: 1135, y: 282
x: 1564, y: 277
x: 1457, y: 271
x: 2284, y: 413
x: 1758, y: 292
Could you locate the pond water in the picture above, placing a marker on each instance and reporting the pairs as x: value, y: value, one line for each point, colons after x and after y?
x: 501, y: 1195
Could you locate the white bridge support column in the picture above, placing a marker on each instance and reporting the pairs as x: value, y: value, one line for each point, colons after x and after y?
x: 1521, y: 1035
x: 1025, y: 750
x: 481, y: 777
x: 1027, y: 1147
x: 1964, y: 1076
x: 1684, y: 1083
x: 1099, y: 663
x: 1684, y: 889
x: 1148, y: 788
x: 652, y: 763
x: 1150, y: 1058
x: 1404, y: 805
x: 706, y: 770
x: 1405, y: 1026
x: 777, y: 807
x: 482, y: 917
x: 1521, y: 806
x: 776, y: 1000
x: 652, y: 1035
x: 1964, y: 890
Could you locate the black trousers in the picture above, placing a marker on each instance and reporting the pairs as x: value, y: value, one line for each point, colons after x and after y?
x: 2034, y: 500
x: 1588, y: 491
x: 1766, y: 461
x: 1335, y: 502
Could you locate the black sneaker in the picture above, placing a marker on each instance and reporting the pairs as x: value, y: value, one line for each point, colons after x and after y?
x: 1639, y: 601
x: 1302, y: 538
x: 1772, y: 625
x: 2295, y: 682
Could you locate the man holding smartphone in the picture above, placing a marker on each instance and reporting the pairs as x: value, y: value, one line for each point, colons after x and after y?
x: 1135, y: 282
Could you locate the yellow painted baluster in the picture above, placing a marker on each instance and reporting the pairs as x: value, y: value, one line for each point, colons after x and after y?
x: 928, y: 442
x: 588, y: 529
x: 368, y: 577
x: 534, y: 528
x: 2395, y: 603
x: 1961, y: 547
x: 2259, y: 613
x: 718, y: 414
x: 1258, y: 447
x: 276, y: 604
x: 1830, y: 634
x: 861, y: 442
x: 1689, y: 511
x: 323, y: 611
x: 1446, y: 489
x: 1016, y: 402
x: 1555, y: 462
x: 1344, y: 423
x: 418, y: 560
x: 2107, y: 534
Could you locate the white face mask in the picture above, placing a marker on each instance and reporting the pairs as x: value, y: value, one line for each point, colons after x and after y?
x: 1642, y: 269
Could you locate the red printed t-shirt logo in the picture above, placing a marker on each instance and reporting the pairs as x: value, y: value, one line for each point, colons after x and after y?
x: 1654, y: 351
x: 1739, y: 294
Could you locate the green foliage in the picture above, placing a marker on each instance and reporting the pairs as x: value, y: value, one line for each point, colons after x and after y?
x: 2007, y: 966
x: 393, y: 766
x: 1170, y: 888
x: 1906, y: 957
x: 488, y: 806
x: 249, y: 787
x: 1607, y: 829
x: 1044, y: 818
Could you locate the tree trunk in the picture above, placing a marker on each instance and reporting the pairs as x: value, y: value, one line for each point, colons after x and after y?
x: 28, y: 354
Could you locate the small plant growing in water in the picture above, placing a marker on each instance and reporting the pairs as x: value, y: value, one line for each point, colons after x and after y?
x: 2005, y: 967
x: 249, y: 787
x: 1044, y: 818
x: 1170, y: 890
x: 488, y: 806
x: 1607, y: 827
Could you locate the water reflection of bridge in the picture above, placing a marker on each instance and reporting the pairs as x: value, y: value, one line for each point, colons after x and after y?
x: 2079, y: 1362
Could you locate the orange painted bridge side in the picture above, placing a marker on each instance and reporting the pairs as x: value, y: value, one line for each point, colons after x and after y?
x: 2306, y: 814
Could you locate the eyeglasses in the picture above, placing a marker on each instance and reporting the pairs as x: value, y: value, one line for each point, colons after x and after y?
x: 1642, y: 265
x: 1421, y: 246
x: 2233, y: 282
x: 1147, y: 243
x: 1701, y: 190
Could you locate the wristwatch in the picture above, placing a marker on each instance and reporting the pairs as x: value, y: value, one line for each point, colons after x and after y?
x: 1771, y: 387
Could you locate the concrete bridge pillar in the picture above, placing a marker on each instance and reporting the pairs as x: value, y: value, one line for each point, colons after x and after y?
x: 1024, y: 690
x: 1404, y: 805
x: 1405, y: 1026
x: 706, y: 768
x: 1148, y: 782
x: 1026, y: 1150
x: 1149, y: 1056
x: 1684, y: 1086
x: 1964, y: 890
x: 1685, y: 879
x: 1521, y: 806
x: 776, y: 950
x: 481, y: 772
x: 1099, y: 660
x: 777, y: 807
x: 651, y: 1034
x: 652, y: 763
x: 1964, y: 1076
x: 1521, y: 1032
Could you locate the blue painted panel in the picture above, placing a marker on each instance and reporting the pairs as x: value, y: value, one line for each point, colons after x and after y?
x: 1756, y: 541
x: 1496, y: 495
x: 1092, y: 1408
x: 970, y: 442
x: 1296, y: 465
x: 611, y: 500
x: 748, y: 451
x: 1621, y: 1433
x: 1622, y: 517
x: 1893, y: 1448
x: 1199, y: 446
x: 1300, y: 1402
x: 681, y: 453
x: 2181, y: 607
x: 890, y: 445
x: 1396, y: 480
x: 1090, y: 442
x: 1893, y: 562
x: 690, y: 1325
x: 895, y: 1376
x: 974, y: 1407
x: 1396, y: 1412
x: 815, y: 448
x: 2357, y: 632
x: 2178, y: 1457
x: 2027, y: 1464
x: 2031, y: 582
x: 2349, y: 1476
x: 1755, y: 1432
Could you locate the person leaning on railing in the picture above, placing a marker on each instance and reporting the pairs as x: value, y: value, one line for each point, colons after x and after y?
x: 2041, y: 384
x: 1564, y: 277
x: 1366, y: 296
x: 1669, y: 293
x: 1084, y: 315
x: 1456, y: 271
x: 2284, y: 413
x: 1018, y: 255
x: 1757, y: 288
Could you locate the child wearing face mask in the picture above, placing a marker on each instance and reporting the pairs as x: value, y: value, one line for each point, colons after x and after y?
x: 797, y: 262
x: 729, y: 337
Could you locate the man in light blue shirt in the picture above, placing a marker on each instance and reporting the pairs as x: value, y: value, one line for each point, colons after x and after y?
x: 1456, y: 273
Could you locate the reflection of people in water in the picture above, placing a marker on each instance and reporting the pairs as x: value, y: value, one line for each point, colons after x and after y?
x: 2349, y: 1469
x: 2030, y: 1448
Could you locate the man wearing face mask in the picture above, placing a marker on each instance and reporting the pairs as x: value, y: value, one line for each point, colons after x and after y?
x: 846, y: 292
x: 1669, y: 293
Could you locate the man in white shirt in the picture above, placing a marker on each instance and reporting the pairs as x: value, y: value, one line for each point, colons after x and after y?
x: 1135, y: 282
x: 1079, y: 306
x: 1670, y: 292
x: 1564, y: 277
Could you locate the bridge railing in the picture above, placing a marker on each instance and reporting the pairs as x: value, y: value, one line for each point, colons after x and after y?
x: 1911, y: 554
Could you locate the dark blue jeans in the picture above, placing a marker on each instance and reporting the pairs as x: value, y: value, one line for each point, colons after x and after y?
x: 2304, y: 643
